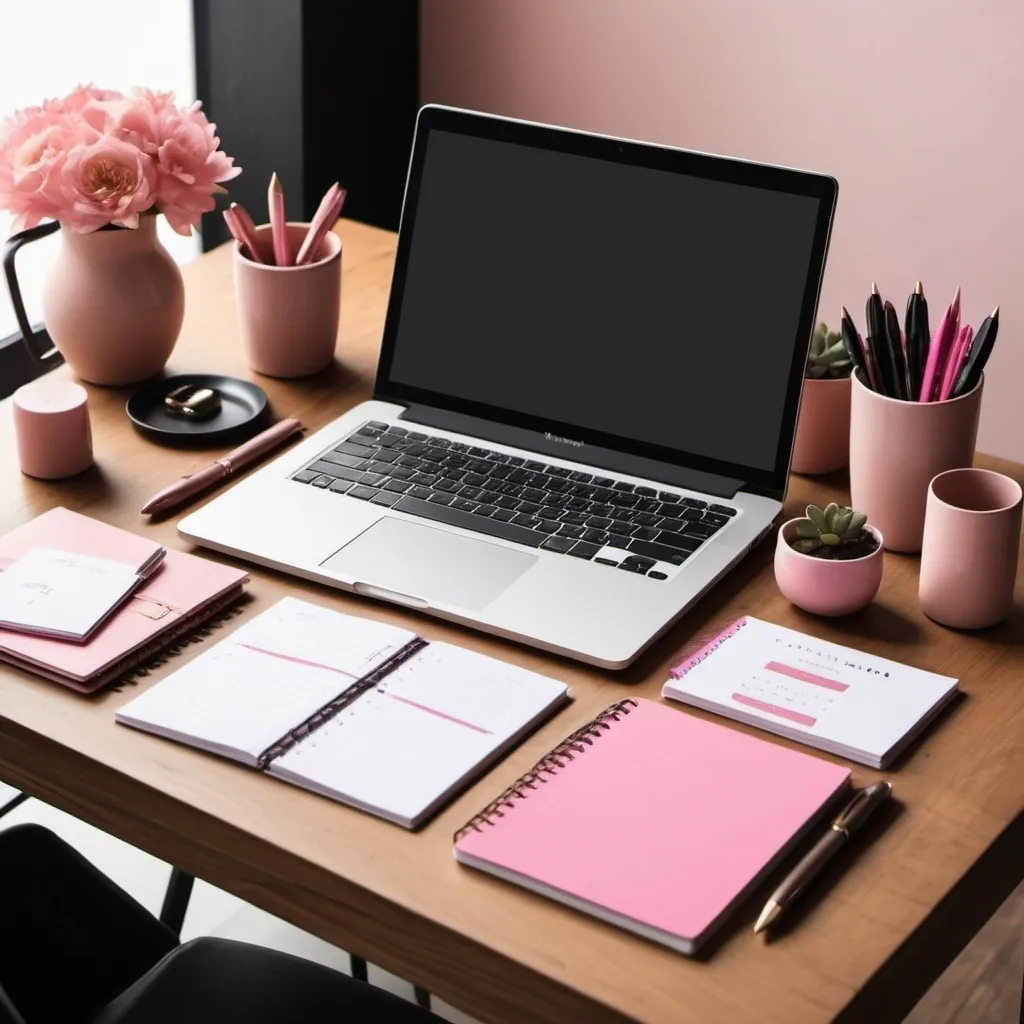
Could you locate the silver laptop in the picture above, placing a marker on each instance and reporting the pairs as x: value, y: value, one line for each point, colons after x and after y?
x: 586, y: 397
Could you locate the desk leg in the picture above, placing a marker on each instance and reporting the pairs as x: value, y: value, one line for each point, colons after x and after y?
x: 179, y: 891
x: 16, y: 801
x: 359, y: 971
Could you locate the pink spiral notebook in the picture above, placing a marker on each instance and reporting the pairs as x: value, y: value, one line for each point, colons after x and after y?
x: 653, y: 820
x: 185, y: 593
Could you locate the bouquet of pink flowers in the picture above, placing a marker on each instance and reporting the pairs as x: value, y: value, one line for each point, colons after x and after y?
x: 98, y: 157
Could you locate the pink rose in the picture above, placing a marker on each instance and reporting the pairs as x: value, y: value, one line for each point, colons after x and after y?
x: 34, y: 144
x: 106, y: 182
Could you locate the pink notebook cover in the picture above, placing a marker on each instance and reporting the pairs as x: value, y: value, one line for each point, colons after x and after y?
x: 180, y: 588
x: 664, y: 819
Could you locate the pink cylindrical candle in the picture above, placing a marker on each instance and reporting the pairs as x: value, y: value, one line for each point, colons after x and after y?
x: 51, y: 423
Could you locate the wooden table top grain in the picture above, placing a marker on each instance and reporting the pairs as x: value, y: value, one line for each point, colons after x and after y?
x: 880, y: 928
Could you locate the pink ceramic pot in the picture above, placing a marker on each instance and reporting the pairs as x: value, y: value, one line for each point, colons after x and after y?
x: 822, y: 443
x: 897, y: 447
x: 289, y: 315
x: 825, y: 587
x: 113, y: 303
x: 971, y: 548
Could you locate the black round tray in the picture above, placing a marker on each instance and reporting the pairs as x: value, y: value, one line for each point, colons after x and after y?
x: 244, y: 411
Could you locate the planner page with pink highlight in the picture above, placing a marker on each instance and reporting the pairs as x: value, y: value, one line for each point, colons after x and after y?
x: 836, y: 698
x: 661, y: 823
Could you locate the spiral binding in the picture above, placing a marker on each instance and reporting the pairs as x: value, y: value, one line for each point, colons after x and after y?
x: 323, y: 715
x: 548, y: 766
x: 171, y: 643
x: 704, y: 645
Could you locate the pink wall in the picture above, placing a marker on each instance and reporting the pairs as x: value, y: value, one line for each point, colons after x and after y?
x: 916, y: 107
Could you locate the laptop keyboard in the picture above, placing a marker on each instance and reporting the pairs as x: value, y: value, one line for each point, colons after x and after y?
x: 583, y: 515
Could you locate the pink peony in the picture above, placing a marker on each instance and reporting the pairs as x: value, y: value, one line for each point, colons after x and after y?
x: 106, y: 182
x: 99, y: 108
x: 99, y: 157
x: 190, y: 163
x: 34, y: 144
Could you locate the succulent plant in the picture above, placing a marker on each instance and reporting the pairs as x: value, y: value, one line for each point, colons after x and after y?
x: 831, y: 532
x: 827, y: 356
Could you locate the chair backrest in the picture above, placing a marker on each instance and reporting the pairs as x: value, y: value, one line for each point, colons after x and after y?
x: 8, y: 1014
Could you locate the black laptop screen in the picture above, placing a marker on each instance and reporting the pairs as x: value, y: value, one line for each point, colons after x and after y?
x: 607, y: 299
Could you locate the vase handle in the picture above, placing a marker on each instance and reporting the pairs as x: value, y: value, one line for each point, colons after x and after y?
x: 37, y: 343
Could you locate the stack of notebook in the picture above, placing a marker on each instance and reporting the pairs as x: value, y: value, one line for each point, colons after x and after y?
x: 839, y: 699
x: 357, y: 710
x: 176, y: 596
x: 653, y: 820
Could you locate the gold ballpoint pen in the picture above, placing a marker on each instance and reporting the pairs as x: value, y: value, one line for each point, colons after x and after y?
x: 853, y: 816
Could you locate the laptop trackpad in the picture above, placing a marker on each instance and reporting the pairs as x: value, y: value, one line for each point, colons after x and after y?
x: 428, y: 566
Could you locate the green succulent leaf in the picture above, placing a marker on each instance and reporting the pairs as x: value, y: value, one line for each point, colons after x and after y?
x: 817, y: 517
x: 857, y: 521
x: 830, y: 539
x: 831, y: 510
x: 806, y: 530
x: 832, y: 355
x: 842, y: 521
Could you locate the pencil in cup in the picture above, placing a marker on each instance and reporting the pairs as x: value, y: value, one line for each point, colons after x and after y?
x: 289, y: 315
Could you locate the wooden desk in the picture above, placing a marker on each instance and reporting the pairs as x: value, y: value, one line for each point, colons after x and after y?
x: 905, y: 904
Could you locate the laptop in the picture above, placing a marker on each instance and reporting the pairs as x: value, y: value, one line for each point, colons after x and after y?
x: 586, y: 396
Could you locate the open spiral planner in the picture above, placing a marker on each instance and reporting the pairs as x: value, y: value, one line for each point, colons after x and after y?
x: 356, y: 710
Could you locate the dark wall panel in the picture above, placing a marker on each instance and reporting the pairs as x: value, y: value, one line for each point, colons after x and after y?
x: 316, y: 90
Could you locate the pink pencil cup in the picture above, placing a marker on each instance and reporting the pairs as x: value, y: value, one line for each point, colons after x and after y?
x: 971, y: 547
x: 897, y: 447
x: 289, y: 315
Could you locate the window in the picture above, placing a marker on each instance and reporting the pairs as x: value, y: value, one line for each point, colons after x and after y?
x: 50, y: 46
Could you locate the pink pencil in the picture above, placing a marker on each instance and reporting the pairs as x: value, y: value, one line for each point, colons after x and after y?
x: 955, y: 363
x: 243, y: 230
x: 326, y: 214
x: 278, y: 223
x: 942, y: 342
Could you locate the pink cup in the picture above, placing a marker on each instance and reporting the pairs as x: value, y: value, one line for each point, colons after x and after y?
x: 289, y: 315
x: 896, y: 448
x: 971, y: 546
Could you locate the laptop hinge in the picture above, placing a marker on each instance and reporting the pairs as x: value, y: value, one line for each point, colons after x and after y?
x: 591, y: 455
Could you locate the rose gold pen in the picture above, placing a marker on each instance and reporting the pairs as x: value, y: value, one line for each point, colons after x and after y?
x: 852, y: 817
x: 255, y: 448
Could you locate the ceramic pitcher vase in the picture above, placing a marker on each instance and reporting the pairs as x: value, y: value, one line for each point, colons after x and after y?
x: 113, y: 303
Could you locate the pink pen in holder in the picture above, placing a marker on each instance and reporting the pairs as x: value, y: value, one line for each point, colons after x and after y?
x: 971, y: 548
x: 289, y: 315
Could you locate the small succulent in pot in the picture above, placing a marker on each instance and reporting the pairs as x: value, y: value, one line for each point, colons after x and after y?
x: 834, y: 532
x: 827, y: 356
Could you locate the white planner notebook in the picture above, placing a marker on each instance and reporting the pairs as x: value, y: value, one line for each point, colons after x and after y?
x: 356, y: 710
x: 65, y: 595
x: 836, y: 698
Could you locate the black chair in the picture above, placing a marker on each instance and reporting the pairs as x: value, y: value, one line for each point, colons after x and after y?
x: 77, y: 949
